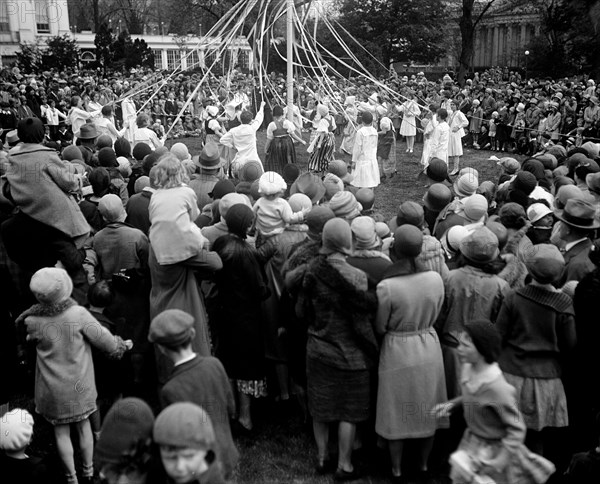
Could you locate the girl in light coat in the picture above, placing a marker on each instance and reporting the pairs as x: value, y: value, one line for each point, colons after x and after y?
x: 457, y: 122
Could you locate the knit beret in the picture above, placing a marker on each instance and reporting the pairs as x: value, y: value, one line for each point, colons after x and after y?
x: 172, y: 327
x: 16, y: 430
x: 127, y: 429
x: 545, y: 263
x: 141, y: 150
x: 271, y: 183
x: 408, y: 241
x: 184, y: 424
x: 51, y: 285
x: 344, y: 205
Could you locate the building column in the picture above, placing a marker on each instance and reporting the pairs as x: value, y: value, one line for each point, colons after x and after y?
x: 523, y: 36
x: 163, y: 53
x: 476, y: 42
x: 183, y: 59
x: 510, y: 51
x: 501, y: 49
x: 494, y: 60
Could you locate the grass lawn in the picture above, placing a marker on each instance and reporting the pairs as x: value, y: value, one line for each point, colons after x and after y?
x: 282, y: 449
x: 406, y: 185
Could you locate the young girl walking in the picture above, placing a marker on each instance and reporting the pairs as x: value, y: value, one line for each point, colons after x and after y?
x: 65, y: 388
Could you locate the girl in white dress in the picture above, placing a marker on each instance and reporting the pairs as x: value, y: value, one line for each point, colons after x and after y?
x: 457, y: 122
x: 428, y: 123
x: 364, y: 155
x: 408, y: 128
x: 77, y: 116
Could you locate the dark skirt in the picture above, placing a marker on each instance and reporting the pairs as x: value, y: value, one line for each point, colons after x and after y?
x: 336, y: 395
x: 281, y: 152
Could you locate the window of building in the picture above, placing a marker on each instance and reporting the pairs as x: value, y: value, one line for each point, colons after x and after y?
x: 41, y: 17
x: 173, y: 58
x: 193, y: 60
x: 243, y: 59
x: 4, y: 27
x: 157, y: 58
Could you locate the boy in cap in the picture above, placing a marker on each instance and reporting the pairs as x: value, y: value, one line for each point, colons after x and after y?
x: 186, y: 439
x: 197, y: 379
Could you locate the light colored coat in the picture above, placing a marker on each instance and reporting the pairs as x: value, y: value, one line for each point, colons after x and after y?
x: 41, y: 185
x: 173, y: 234
x: 65, y: 388
x: 411, y: 369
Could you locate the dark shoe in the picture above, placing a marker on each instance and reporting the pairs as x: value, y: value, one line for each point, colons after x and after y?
x: 341, y: 475
x: 324, y: 467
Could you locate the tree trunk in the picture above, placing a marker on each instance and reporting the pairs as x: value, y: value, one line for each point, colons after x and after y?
x: 467, y: 32
x: 96, y: 11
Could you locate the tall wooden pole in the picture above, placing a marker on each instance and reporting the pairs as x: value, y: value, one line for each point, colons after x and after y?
x: 290, y: 61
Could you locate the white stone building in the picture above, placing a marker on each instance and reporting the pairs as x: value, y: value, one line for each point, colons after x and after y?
x: 27, y: 20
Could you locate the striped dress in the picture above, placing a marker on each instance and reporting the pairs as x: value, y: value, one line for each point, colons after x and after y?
x: 323, y: 146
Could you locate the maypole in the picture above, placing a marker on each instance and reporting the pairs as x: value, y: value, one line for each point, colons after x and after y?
x: 290, y: 61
